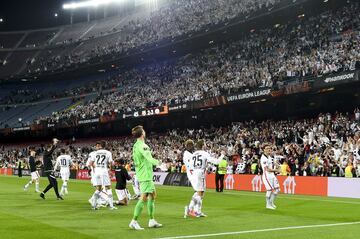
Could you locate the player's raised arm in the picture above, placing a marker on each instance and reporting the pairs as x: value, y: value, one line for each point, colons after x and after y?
x: 216, y: 161
x: 53, y: 147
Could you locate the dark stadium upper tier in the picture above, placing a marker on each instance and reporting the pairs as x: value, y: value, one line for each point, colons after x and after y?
x: 80, y: 42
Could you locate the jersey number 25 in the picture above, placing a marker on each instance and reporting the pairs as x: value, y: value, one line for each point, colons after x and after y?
x: 197, y: 161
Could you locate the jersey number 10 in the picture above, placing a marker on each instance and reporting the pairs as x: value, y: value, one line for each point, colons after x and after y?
x: 63, y: 162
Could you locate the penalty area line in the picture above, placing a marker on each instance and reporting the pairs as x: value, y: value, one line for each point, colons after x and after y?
x: 262, y: 230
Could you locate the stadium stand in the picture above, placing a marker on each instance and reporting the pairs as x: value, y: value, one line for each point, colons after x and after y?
x: 38, y: 38
x: 312, y: 47
x: 321, y: 146
x: 141, y: 28
x: 9, y: 40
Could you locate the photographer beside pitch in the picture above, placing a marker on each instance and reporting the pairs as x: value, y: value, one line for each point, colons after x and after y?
x: 144, y: 163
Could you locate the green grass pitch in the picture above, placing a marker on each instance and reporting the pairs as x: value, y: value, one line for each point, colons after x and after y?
x: 26, y: 215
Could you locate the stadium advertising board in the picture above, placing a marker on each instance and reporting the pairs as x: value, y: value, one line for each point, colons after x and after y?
x: 210, y: 102
x: 288, y: 184
x: 344, y: 187
x: 6, y: 171
x: 158, y: 178
x: 297, y: 88
x: 162, y: 110
x: 177, y: 179
x: 108, y: 118
x: 21, y: 129
x: 337, y: 79
x: 85, y: 175
x: 200, y: 104
x: 88, y: 121
x: 179, y: 107
x: 24, y: 172
x: 248, y: 95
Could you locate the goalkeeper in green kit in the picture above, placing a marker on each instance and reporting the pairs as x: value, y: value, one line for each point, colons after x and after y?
x: 144, y: 163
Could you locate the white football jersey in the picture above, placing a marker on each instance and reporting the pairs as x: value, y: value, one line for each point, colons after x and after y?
x: 200, y: 160
x: 267, y: 162
x: 187, y: 157
x: 229, y: 169
x: 102, y: 159
x: 64, y: 161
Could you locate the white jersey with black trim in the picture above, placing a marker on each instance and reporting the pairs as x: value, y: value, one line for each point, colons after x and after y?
x: 187, y: 157
x: 63, y: 161
x: 102, y: 160
x: 200, y: 160
x: 267, y: 161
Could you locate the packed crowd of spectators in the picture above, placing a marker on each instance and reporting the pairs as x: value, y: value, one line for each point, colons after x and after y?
x: 319, y: 45
x: 324, y: 146
x: 324, y: 44
x: 177, y: 18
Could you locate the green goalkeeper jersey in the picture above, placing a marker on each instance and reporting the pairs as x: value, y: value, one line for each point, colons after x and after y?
x: 143, y: 161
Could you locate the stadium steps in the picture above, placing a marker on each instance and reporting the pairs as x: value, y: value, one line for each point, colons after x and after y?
x: 23, y: 67
x: 35, y: 113
x: 17, y: 114
x: 87, y: 30
x: 16, y: 46
x: 47, y: 110
x: 56, y: 35
x: 6, y: 113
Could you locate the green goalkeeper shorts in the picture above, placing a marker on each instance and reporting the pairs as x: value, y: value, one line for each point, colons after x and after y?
x: 147, y: 187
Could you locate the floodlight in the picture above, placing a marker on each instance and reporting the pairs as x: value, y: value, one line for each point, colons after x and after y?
x: 89, y: 3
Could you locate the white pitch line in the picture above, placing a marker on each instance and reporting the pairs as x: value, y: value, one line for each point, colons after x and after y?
x: 263, y: 230
x: 283, y: 196
x: 293, y: 198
